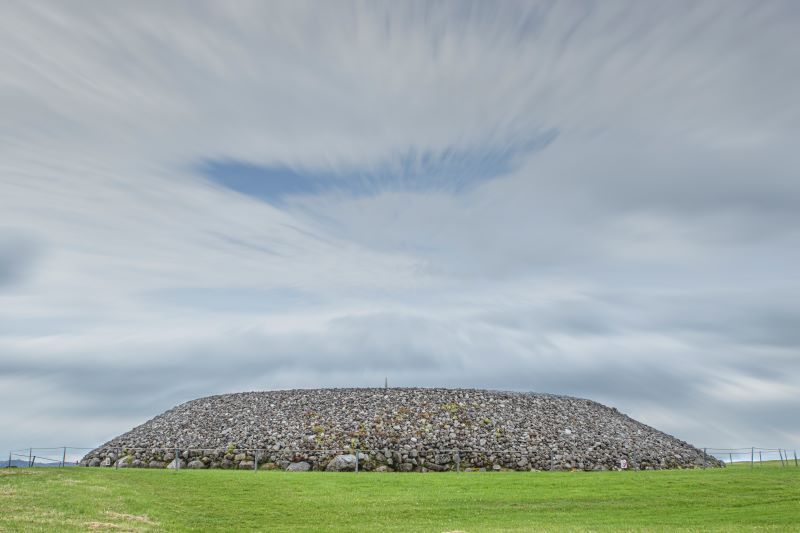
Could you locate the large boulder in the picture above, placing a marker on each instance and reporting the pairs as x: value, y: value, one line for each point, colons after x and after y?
x: 302, y: 466
x: 342, y: 463
x: 176, y: 464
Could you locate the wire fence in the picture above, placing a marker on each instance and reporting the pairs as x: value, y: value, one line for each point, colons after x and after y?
x: 60, y: 456
x: 177, y: 458
x: 753, y: 455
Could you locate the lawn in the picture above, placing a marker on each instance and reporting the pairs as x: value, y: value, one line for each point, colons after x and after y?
x: 766, y: 497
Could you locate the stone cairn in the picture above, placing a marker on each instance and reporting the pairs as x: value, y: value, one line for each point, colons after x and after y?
x: 396, y: 429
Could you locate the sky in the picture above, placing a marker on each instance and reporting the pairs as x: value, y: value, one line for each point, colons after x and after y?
x: 599, y: 199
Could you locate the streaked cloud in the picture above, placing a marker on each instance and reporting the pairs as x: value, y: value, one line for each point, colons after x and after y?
x: 579, y: 198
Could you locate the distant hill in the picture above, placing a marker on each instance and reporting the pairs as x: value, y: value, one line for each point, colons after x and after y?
x: 23, y: 463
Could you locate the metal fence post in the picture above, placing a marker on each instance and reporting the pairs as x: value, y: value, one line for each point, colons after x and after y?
x: 177, y: 458
x: 255, y: 461
x: 356, y: 460
x: 760, y: 459
x: 730, y: 456
x: 752, y: 456
x: 30, y: 457
x: 9, y: 459
x: 63, y: 457
x: 551, y: 461
x: 705, y: 459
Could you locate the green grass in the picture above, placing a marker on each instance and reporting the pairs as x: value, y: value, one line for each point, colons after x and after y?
x: 78, y: 499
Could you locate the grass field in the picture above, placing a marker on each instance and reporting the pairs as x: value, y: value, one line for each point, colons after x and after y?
x: 79, y: 499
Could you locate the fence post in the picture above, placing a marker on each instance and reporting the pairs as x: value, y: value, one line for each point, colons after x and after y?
x: 9, y: 459
x: 752, y: 456
x: 705, y: 459
x: 356, y: 460
x: 177, y: 458
x: 730, y: 456
x: 63, y: 457
x: 116, y: 461
x: 30, y: 455
x: 551, y: 461
x: 255, y: 461
x: 458, y: 463
x: 795, y: 458
x: 760, y: 459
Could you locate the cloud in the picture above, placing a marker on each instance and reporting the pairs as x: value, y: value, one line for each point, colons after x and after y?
x: 597, y: 200
x: 18, y: 255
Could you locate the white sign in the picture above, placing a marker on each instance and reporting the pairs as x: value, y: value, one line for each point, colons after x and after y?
x: 623, y: 464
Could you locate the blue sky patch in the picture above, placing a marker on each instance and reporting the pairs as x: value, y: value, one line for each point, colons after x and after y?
x: 447, y: 171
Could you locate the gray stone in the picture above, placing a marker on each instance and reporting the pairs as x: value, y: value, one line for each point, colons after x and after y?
x: 196, y: 464
x: 412, y: 428
x: 177, y: 463
x: 342, y: 463
x: 302, y: 466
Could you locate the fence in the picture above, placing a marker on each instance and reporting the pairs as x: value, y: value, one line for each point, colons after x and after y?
x: 52, y: 456
x: 754, y: 455
x: 64, y: 456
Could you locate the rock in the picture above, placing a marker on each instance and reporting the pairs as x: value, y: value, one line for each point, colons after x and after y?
x: 342, y: 463
x: 177, y: 463
x: 302, y: 466
x: 155, y: 464
x: 496, y: 468
x: 246, y: 465
x: 196, y: 464
x: 404, y: 429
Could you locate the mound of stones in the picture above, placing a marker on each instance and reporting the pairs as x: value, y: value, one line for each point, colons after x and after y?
x: 396, y: 430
